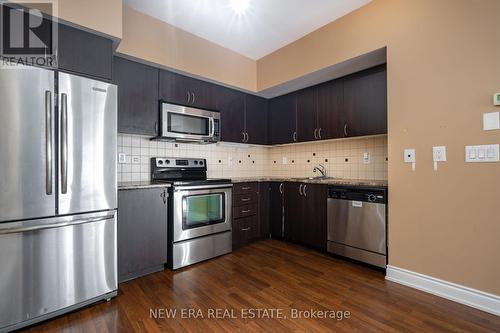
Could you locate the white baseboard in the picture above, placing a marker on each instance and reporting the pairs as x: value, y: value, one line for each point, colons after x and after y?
x: 455, y: 292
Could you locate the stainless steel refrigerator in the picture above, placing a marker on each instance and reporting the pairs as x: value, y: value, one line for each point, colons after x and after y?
x: 57, y: 194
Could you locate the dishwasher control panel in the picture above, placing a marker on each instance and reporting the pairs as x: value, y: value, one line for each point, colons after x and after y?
x: 375, y: 195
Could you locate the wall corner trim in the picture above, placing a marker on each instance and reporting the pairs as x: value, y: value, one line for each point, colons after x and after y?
x: 471, y: 297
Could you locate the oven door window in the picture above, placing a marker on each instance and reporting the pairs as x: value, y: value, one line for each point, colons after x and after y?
x: 188, y: 124
x: 204, y: 209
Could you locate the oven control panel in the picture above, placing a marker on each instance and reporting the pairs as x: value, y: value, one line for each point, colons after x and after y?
x: 180, y: 163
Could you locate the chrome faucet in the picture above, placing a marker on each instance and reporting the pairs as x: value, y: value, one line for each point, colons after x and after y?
x: 321, y: 169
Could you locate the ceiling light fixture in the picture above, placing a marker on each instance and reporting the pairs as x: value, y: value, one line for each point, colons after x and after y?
x: 239, y: 6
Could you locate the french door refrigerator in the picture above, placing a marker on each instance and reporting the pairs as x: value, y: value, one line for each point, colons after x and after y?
x: 57, y: 194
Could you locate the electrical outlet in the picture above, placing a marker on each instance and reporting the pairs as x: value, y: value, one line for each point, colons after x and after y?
x: 366, y: 158
x: 122, y: 158
x: 285, y: 160
x: 136, y: 160
x: 230, y: 161
x: 439, y: 154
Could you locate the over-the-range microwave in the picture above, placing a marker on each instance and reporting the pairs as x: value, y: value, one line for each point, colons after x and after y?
x: 186, y: 124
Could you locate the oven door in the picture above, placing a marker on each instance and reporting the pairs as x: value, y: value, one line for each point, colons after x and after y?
x: 201, y: 211
x: 189, y: 124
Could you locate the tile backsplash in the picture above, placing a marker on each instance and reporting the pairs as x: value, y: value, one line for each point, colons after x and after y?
x: 342, y: 158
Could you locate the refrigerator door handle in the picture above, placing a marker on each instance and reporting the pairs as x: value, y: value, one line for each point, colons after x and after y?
x: 48, y: 142
x: 64, y: 143
x: 15, y: 230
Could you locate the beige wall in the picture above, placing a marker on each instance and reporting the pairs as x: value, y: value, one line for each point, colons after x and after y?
x: 100, y: 15
x: 104, y: 16
x: 443, y: 67
x: 150, y: 39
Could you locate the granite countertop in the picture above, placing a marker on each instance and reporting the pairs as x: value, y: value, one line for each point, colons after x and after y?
x: 329, y: 181
x: 139, y: 184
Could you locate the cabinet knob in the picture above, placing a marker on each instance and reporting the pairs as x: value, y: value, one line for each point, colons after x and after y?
x: 345, y: 129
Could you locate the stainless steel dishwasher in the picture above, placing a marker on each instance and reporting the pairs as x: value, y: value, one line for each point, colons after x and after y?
x: 357, y: 223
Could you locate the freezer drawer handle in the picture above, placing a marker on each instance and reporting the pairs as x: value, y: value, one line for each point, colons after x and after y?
x: 48, y: 142
x: 54, y: 225
x: 64, y: 143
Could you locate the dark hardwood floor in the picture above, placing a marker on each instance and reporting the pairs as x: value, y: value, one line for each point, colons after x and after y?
x: 274, y: 275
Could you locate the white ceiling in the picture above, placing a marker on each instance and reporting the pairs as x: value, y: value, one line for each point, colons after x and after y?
x: 264, y: 27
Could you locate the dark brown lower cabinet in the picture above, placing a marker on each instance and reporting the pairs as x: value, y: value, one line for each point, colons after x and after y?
x: 142, y: 232
x: 291, y: 211
x: 246, y: 221
x: 275, y: 211
x: 305, y: 214
x: 264, y: 205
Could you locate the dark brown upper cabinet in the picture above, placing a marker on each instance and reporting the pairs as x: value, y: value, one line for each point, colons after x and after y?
x: 365, y: 103
x: 138, y: 105
x: 183, y: 90
x: 256, y: 119
x: 231, y: 104
x: 307, y: 120
x: 330, y: 108
x: 84, y: 53
x: 283, y: 119
x: 243, y: 116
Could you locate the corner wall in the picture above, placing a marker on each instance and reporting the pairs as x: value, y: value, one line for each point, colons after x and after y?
x: 443, y: 67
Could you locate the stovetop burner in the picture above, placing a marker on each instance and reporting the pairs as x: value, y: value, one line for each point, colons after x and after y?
x: 182, y: 172
x: 195, y: 182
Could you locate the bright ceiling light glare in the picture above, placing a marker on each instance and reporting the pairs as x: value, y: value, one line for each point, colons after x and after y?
x: 239, y: 6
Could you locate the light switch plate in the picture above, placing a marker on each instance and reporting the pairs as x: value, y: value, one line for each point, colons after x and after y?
x: 439, y: 154
x: 482, y: 154
x: 122, y: 158
x: 491, y: 121
x: 409, y: 156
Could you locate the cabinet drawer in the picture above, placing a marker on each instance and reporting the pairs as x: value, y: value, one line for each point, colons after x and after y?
x: 243, y: 188
x: 245, y: 229
x: 244, y: 211
x: 244, y: 199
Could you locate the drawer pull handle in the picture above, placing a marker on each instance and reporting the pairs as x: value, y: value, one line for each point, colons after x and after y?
x: 246, y: 229
x: 246, y: 199
x: 246, y: 188
x: 246, y: 211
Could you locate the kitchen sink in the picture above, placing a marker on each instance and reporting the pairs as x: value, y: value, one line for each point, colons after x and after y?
x: 314, y: 178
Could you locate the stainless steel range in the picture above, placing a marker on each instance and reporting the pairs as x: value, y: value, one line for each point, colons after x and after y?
x: 199, y: 226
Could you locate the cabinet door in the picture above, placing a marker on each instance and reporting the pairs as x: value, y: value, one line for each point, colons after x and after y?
x: 231, y: 104
x: 330, y: 109
x: 365, y: 102
x: 84, y: 53
x: 306, y: 114
x: 142, y: 232
x: 256, y: 114
x: 293, y: 208
x: 276, y: 209
x: 314, y: 220
x: 180, y: 89
x: 264, y: 212
x: 137, y: 97
x: 283, y: 119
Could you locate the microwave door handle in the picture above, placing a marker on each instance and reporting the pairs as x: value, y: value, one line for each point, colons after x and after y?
x: 212, y: 127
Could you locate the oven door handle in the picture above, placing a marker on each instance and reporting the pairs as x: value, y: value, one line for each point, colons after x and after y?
x: 202, y: 187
